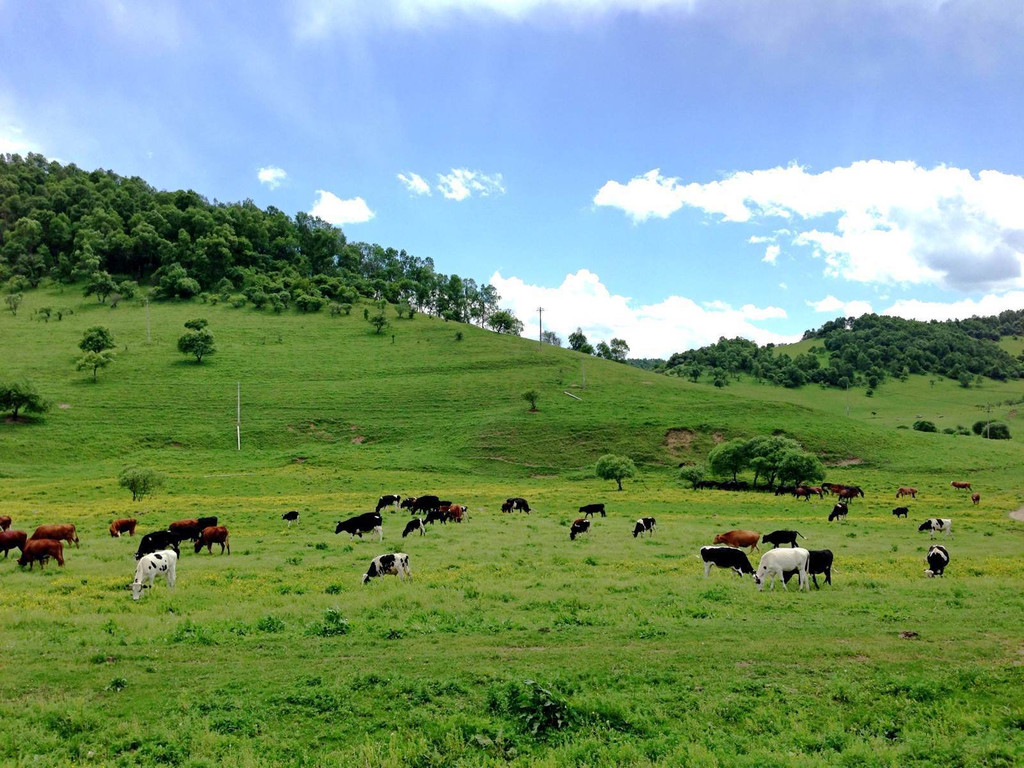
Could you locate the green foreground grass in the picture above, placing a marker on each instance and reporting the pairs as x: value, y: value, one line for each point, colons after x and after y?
x: 276, y: 655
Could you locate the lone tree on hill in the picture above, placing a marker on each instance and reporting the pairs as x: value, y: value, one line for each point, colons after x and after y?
x: 504, y: 321
x: 95, y: 361
x: 692, y: 474
x: 97, y: 343
x: 21, y: 396
x: 13, y: 302
x: 140, y: 482
x: 617, y: 468
x: 531, y: 396
x: 198, y: 341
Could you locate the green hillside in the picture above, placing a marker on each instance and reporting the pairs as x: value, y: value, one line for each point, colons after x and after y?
x: 641, y: 660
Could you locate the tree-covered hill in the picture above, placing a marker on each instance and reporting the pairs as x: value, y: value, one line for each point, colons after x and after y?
x: 69, y: 225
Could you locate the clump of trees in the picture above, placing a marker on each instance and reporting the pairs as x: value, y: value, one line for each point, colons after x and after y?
x: 97, y: 344
x: 616, y: 349
x: 993, y: 430
x: 613, y: 467
x: 772, y: 458
x: 21, y: 397
x: 141, y: 482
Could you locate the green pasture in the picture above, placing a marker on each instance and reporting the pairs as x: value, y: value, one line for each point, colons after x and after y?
x: 510, y: 645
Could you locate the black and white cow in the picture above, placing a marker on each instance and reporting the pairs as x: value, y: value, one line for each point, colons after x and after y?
x: 291, y: 516
x: 424, y: 504
x: 840, y: 510
x: 820, y: 561
x: 775, y: 562
x: 580, y: 525
x: 725, y: 557
x: 589, y: 510
x: 518, y: 502
x: 937, y: 559
x: 395, y: 564
x: 644, y: 525
x: 937, y: 524
x: 416, y: 524
x: 360, y: 524
x: 157, y: 540
x: 782, y: 537
x: 152, y: 565
x: 388, y: 500
x: 901, y: 512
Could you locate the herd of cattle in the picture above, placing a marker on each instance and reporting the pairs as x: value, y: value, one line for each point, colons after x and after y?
x: 158, y: 551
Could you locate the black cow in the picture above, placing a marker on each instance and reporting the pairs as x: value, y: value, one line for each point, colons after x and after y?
x: 437, y: 515
x: 518, y: 502
x: 589, y: 510
x: 782, y: 537
x: 158, y: 540
x: 785, y: 490
x: 387, y: 501
x: 901, y: 511
x: 820, y: 561
x: 725, y: 557
x: 292, y: 516
x: 706, y: 485
x: 360, y: 524
x: 838, y: 511
x: 416, y: 524
x: 424, y: 504
x: 580, y: 525
x: 407, y: 502
x: 734, y: 485
x: 644, y: 525
x: 937, y: 559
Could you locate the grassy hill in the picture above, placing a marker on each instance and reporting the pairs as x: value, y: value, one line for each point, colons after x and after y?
x: 645, y: 661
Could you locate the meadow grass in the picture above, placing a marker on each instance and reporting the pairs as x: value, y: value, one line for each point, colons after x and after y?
x: 510, y: 645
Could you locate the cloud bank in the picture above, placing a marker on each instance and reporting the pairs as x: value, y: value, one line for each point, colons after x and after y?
x: 415, y: 183
x: 462, y: 183
x: 871, y: 222
x: 653, y: 330
x: 338, y: 212
x: 271, y: 176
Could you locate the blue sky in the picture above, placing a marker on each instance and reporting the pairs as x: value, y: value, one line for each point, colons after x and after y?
x: 665, y: 172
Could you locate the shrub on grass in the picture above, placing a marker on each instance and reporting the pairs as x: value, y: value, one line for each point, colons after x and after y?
x: 923, y: 425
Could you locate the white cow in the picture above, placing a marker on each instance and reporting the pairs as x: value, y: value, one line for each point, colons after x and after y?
x: 394, y: 564
x: 152, y: 565
x: 777, y: 561
x: 937, y: 524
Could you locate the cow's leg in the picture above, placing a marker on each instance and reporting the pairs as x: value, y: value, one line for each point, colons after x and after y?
x: 815, y: 579
x: 380, y: 532
x: 707, y: 569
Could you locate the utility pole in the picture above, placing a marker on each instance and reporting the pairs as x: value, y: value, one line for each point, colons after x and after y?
x: 147, y: 320
x: 238, y: 416
x: 540, y: 322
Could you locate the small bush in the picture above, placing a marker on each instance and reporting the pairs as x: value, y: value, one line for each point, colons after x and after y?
x: 535, y: 710
x: 332, y: 625
x: 923, y: 425
x: 270, y: 624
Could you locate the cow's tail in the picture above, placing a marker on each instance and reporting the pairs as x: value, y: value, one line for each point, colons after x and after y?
x: 800, y: 535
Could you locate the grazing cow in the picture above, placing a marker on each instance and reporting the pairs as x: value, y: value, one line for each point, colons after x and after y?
x: 579, y: 525
x: 41, y: 550
x: 152, y: 565
x: 291, y: 516
x: 436, y: 515
x: 416, y: 524
x: 975, y: 497
x: 589, y: 510
x: 725, y: 557
x: 937, y: 524
x: 849, y: 494
x: 157, y: 540
x: 901, y: 511
x: 785, y: 490
x: 644, y: 525
x: 739, y: 539
x: 396, y: 564
x: 424, y: 504
x: 5, y: 522
x: 457, y: 512
x: 506, y: 506
x: 185, y: 529
x: 407, y: 502
x: 734, y: 485
x: 937, y: 559
x: 360, y: 524
x: 706, y: 485
x: 961, y: 485
x: 775, y: 562
x: 213, y: 534
x: 388, y: 500
x: 11, y: 539
x: 820, y: 561
x: 840, y: 510
x: 805, y: 492
x: 61, y: 532
x: 519, y: 503
x: 206, y: 522
x: 906, y: 491
x: 120, y: 526
x: 776, y: 538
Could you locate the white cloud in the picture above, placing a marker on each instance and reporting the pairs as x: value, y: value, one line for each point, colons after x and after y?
x: 338, y: 212
x: 992, y: 304
x: 771, y: 253
x: 873, y: 221
x: 462, y: 183
x: 271, y: 176
x: 836, y: 307
x: 415, y: 183
x: 13, y: 141
x: 653, y: 330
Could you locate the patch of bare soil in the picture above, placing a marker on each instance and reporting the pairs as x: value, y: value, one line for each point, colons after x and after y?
x: 358, y: 439
x: 176, y: 444
x: 1018, y: 514
x: 63, y: 406
x: 679, y: 439
x: 717, y: 437
x: 299, y: 460
x: 850, y: 462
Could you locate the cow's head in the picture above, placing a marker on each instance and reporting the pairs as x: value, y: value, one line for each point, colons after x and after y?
x: 136, y: 587
x: 198, y: 545
x: 925, y: 526
x: 339, y: 528
x: 719, y: 539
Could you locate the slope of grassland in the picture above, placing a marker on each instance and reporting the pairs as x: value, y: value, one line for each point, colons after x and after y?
x: 276, y: 655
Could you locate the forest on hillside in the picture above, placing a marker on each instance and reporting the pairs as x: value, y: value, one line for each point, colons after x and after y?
x: 111, y: 233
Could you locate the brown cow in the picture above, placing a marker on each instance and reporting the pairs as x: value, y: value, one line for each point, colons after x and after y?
x: 214, y: 534
x: 906, y: 491
x: 62, y: 532
x: 456, y: 512
x: 120, y: 526
x: 960, y: 485
x: 41, y: 550
x: 975, y: 497
x: 739, y: 539
x: 11, y: 539
x: 185, y: 529
x: 5, y: 522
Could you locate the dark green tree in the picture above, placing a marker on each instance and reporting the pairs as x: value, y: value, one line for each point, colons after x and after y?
x: 198, y: 343
x: 96, y: 339
x: 617, y: 468
x: 141, y: 482
x: 19, y: 396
